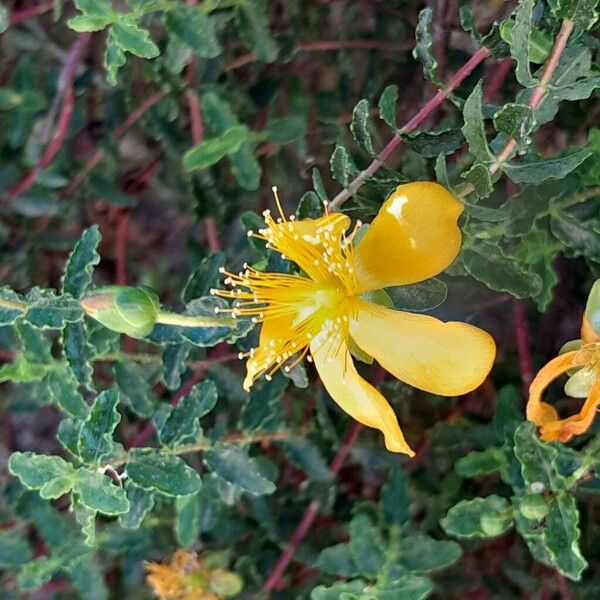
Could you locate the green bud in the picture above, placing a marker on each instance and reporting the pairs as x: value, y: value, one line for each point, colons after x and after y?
x: 493, y: 523
x: 129, y: 310
x: 225, y: 583
x: 592, y: 308
x: 533, y: 506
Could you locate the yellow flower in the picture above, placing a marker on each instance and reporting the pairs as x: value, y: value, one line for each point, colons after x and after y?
x: 581, y: 360
x: 188, y: 577
x: 330, y: 311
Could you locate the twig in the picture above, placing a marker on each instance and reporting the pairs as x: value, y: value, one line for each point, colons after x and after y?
x: 412, y: 124
x: 33, y: 11
x: 98, y: 154
x: 65, y: 88
x: 328, y: 45
x: 523, y: 347
x: 496, y: 79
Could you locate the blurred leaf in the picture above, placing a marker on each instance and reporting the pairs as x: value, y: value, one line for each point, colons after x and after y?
x: 480, y: 517
x: 485, y: 462
x: 174, y: 358
x: 337, y: 560
x: 422, y: 554
x: 190, y: 25
x: 131, y: 38
x: 366, y: 545
x: 64, y: 388
x: 419, y: 297
x: 584, y: 13
x: 95, y: 435
x: 474, y: 127
x: 187, y: 519
x: 253, y: 27
x: 535, y: 169
x: 211, y: 151
x: 305, y: 455
x: 579, y: 236
x: 394, y: 497
x: 114, y: 58
x: 286, y: 129
x: 80, y: 265
x: 135, y: 388
x: 205, y: 277
x: 14, y: 550
x: 262, y: 409
x: 233, y: 464
x: 8, y: 314
x: 162, y: 473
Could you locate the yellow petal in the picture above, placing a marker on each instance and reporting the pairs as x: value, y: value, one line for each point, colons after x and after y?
x: 443, y: 358
x: 414, y: 237
x: 552, y: 427
x: 352, y: 393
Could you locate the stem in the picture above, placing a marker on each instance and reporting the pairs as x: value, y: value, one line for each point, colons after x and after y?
x: 233, y: 438
x: 13, y: 304
x: 412, y: 124
x: 535, y: 100
x: 33, y: 11
x: 167, y: 318
x: 522, y: 335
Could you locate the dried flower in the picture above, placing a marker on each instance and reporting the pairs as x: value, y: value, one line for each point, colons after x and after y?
x: 333, y: 309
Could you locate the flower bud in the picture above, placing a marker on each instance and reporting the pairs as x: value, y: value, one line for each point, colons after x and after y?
x: 533, y: 506
x: 590, y: 330
x: 224, y: 583
x: 129, y: 310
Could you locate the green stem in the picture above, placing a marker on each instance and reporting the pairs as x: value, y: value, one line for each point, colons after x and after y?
x: 167, y: 318
x: 13, y: 304
x: 205, y: 444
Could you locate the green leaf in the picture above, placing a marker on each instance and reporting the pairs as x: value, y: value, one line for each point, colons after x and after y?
x: 485, y: 462
x: 474, y: 127
x: 114, y: 58
x: 337, y: 560
x: 97, y: 14
x: 262, y: 409
x: 163, y: 473
x: 205, y: 277
x: 183, y: 421
x: 51, y: 475
x: 579, y: 236
x: 4, y: 18
x: 174, y: 358
x: 419, y: 297
x: 341, y: 590
x: 366, y: 545
x: 141, y: 502
x: 562, y: 537
x: 98, y: 493
x: 95, y: 435
x: 12, y: 308
x: 286, y: 130
x: 484, y: 261
x: 233, y: 464
x: 211, y: 151
x: 480, y: 178
x: 537, y: 169
x: 394, y: 497
x: 387, y: 106
x: 46, y: 310
x: 540, y: 44
x: 245, y: 168
x: 538, y: 460
x: 424, y: 46
x: 39, y: 571
x: 342, y: 166
x: 422, y: 554
x: 14, y: 550
x: 520, y: 42
x: 86, y: 518
x: 407, y: 587
x: 64, y: 388
x: 131, y: 38
x: 79, y: 353
x: 305, y: 455
x: 187, y: 519
x: 481, y: 517
x: 253, y: 27
x: 584, y: 13
x: 360, y: 126
x: 431, y: 144
x: 517, y: 121
x: 22, y: 371
x: 135, y: 388
x: 190, y: 25
x: 80, y: 265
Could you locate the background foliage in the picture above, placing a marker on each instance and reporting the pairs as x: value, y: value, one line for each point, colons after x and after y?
x: 139, y: 140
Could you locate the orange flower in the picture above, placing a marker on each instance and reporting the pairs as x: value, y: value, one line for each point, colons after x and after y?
x: 187, y: 577
x: 336, y: 307
x: 582, y: 361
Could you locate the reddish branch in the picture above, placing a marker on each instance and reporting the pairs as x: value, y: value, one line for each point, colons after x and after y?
x: 412, y: 124
x: 65, y: 89
x: 328, y: 45
x: 33, y: 11
x: 523, y: 347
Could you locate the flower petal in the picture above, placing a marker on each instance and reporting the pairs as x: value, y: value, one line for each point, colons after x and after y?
x: 443, y: 358
x: 552, y: 427
x: 414, y: 237
x: 352, y: 393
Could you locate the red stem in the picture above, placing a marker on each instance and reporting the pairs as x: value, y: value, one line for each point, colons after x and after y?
x: 497, y: 78
x: 523, y: 348
x: 412, y: 124
x: 65, y: 88
x: 33, y: 11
